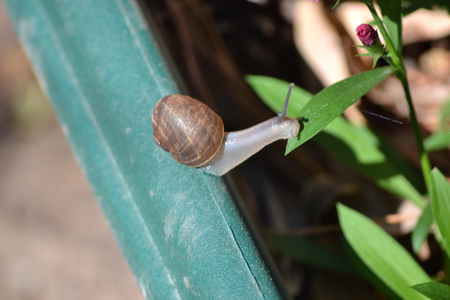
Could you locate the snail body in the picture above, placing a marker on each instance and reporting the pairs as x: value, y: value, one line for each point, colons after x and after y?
x: 194, y: 135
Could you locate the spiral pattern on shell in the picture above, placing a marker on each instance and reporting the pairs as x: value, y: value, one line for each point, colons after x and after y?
x: 188, y: 129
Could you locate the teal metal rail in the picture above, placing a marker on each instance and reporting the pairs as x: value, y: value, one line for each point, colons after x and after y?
x: 177, y: 227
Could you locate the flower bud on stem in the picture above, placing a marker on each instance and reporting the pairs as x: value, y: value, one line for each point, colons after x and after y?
x: 369, y: 37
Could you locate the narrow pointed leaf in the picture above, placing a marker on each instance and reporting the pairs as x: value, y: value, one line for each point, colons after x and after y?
x: 410, y: 6
x: 367, y: 273
x: 441, y: 138
x: 392, y: 19
x: 433, y: 290
x: 422, y: 229
x: 444, y: 119
x: 437, y: 141
x: 382, y: 253
x: 357, y: 146
x: 440, y: 201
x: 332, y: 101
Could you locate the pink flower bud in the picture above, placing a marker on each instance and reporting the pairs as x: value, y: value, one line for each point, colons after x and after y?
x: 366, y: 34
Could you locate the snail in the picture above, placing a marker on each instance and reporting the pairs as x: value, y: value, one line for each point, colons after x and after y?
x: 194, y: 135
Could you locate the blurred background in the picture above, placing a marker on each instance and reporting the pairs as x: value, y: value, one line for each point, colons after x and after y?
x: 57, y: 244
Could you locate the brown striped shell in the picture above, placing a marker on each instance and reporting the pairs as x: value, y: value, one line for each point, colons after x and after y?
x: 188, y: 129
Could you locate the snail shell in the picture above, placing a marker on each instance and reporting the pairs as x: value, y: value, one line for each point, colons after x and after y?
x: 188, y: 129
x: 194, y: 135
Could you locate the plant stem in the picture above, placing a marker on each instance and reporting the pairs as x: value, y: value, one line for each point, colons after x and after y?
x: 396, y: 62
x: 396, y: 57
x: 424, y: 161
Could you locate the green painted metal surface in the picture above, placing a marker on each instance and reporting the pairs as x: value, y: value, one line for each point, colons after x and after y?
x: 178, y: 227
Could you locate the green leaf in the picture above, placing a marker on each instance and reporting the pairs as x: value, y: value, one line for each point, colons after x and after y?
x: 392, y: 19
x: 444, y: 119
x: 336, y: 4
x: 433, y: 290
x: 437, y: 141
x: 410, y: 6
x: 311, y: 253
x: 422, y: 229
x: 441, y: 138
x: 357, y: 146
x: 440, y: 201
x: 360, y: 148
x: 332, y: 101
x: 272, y: 92
x: 367, y: 273
x: 376, y: 52
x: 382, y: 253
